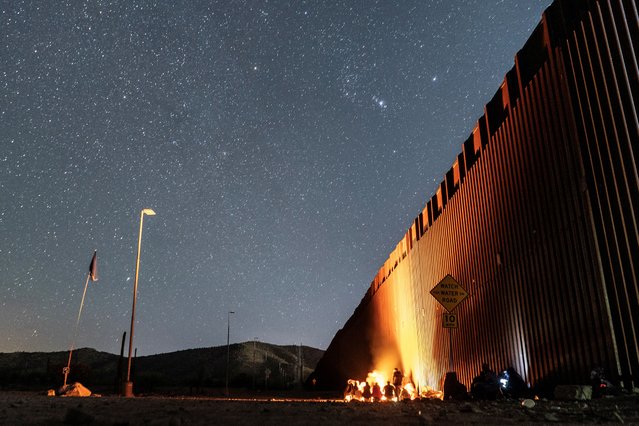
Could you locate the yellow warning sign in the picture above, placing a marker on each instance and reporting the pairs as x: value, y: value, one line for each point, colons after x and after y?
x: 449, y: 293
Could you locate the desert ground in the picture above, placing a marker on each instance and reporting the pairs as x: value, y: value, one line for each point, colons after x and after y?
x: 35, y: 408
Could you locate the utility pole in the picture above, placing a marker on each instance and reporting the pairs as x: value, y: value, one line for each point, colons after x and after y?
x: 301, y: 362
x: 254, y: 361
x: 228, y: 351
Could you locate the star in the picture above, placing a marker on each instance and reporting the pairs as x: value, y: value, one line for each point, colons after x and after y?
x: 381, y: 103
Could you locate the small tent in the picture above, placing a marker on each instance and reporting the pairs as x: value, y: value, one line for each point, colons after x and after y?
x: 74, y: 389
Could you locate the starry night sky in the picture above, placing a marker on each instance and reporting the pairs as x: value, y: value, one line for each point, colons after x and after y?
x: 286, y: 147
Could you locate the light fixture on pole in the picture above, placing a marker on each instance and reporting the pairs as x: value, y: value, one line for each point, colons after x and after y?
x: 228, y: 335
x: 128, y: 385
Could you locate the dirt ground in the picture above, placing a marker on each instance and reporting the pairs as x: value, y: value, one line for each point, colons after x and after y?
x: 24, y: 408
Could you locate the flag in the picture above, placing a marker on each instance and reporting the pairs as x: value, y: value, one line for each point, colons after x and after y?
x: 93, y: 268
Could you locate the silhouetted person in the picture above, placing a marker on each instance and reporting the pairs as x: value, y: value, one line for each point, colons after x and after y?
x: 404, y: 395
x: 389, y: 391
x: 515, y: 386
x: 367, y: 394
x: 453, y: 388
x: 600, y: 384
x: 350, y: 389
x: 485, y: 385
x: 398, y: 377
x: 377, y: 392
x: 357, y: 394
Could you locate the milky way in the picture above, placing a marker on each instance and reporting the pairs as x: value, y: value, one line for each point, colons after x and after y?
x: 285, y: 146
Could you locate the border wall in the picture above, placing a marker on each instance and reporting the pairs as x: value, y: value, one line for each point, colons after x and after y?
x: 537, y: 219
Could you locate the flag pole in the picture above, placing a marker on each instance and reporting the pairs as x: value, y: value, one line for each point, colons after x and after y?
x: 75, y: 335
x: 93, y: 275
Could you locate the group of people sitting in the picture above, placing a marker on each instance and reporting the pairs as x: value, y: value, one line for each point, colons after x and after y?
x: 487, y: 385
x: 363, y: 391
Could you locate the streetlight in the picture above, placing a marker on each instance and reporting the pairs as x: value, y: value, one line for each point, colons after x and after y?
x: 228, y: 335
x: 128, y: 386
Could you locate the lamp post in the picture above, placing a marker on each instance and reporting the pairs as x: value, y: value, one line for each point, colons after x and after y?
x: 228, y: 335
x: 128, y: 385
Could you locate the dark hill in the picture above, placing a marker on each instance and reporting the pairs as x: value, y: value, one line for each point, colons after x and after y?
x: 251, y: 365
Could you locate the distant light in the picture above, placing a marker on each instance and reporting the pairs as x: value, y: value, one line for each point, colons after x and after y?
x: 149, y: 212
x: 380, y: 102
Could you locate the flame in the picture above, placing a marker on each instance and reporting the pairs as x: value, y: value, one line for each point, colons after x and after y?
x: 376, y: 377
x: 355, y: 390
x: 431, y: 393
x: 409, y: 392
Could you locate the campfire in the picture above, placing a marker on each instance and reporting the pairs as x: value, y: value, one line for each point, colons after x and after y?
x: 377, y: 388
